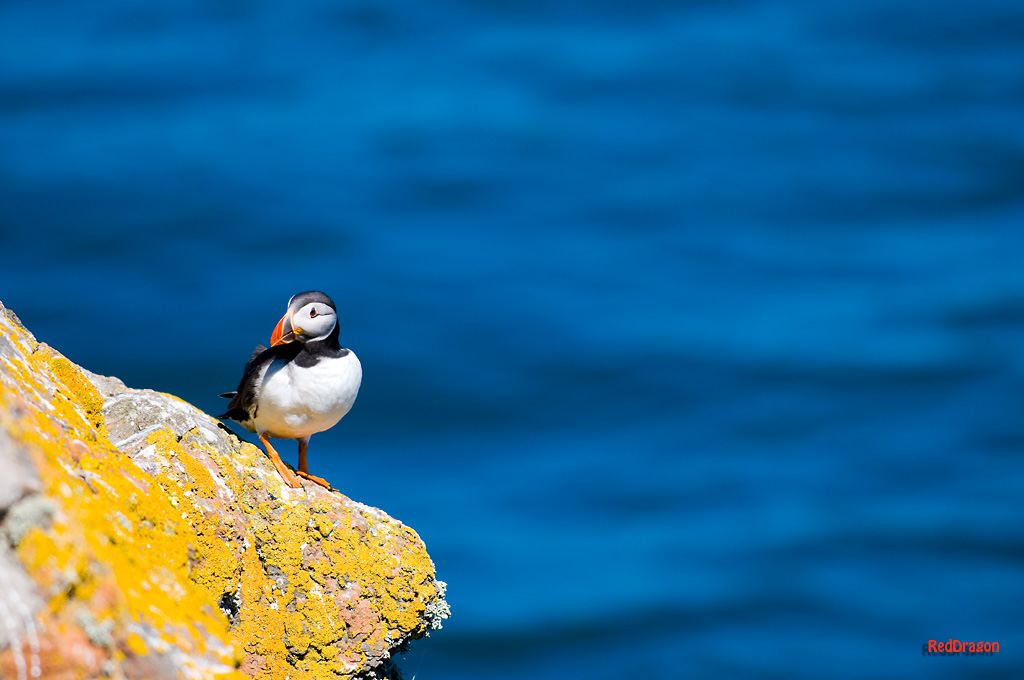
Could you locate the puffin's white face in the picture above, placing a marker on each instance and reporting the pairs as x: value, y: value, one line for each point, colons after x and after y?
x: 311, y: 321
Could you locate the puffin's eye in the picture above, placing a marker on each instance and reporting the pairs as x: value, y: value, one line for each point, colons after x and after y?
x: 312, y: 313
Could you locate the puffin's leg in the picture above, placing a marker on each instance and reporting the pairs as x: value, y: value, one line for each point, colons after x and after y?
x: 285, y: 473
x: 304, y: 470
x: 303, y: 446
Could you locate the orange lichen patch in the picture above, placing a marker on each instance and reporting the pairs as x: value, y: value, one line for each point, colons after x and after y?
x: 63, y: 655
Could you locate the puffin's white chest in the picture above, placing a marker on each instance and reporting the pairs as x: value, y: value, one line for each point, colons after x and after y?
x: 296, y: 401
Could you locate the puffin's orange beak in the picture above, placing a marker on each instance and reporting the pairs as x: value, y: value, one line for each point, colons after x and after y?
x: 283, y: 331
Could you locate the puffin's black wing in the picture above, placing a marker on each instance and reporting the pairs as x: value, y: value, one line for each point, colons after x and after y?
x: 242, y: 407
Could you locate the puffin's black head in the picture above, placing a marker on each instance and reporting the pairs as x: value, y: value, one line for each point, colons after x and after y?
x: 310, y: 316
x: 300, y: 299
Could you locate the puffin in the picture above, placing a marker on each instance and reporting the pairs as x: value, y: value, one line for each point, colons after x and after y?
x: 304, y: 383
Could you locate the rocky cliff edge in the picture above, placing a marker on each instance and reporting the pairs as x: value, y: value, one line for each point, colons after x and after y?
x: 140, y: 539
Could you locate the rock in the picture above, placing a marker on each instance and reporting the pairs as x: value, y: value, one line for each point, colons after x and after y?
x: 144, y: 540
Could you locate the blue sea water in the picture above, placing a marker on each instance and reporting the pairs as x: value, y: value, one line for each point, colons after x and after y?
x: 692, y: 332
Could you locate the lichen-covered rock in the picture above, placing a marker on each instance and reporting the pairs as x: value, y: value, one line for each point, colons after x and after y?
x: 143, y: 540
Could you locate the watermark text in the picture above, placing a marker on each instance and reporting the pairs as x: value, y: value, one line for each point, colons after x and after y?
x: 953, y: 647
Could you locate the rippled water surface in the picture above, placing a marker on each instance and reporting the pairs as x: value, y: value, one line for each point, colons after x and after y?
x: 692, y: 333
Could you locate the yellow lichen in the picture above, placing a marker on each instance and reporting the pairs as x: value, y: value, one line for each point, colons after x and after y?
x: 320, y: 587
x: 80, y: 390
x: 136, y: 644
x: 107, y: 550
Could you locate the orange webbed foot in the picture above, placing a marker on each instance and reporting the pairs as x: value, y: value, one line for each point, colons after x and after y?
x: 319, y: 481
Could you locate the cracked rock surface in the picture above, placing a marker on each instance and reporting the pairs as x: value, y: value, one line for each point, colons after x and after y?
x: 143, y: 540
